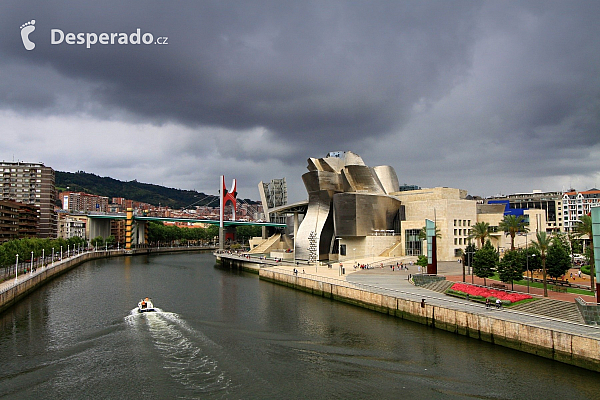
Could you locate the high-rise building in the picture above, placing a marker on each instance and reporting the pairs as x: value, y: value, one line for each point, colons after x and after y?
x: 272, y: 195
x: 577, y: 204
x: 31, y: 183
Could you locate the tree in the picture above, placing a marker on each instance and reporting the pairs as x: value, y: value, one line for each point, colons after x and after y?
x: 422, y: 261
x: 245, y: 232
x: 558, y: 261
x: 584, y: 228
x: 98, y: 241
x: 110, y: 240
x: 511, y: 267
x: 511, y: 225
x: 480, y: 231
x: 469, y: 251
x: 484, y: 261
x: 541, y: 244
x: 423, y: 233
x: 211, y: 232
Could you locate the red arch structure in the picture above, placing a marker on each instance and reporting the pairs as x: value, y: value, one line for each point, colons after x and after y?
x: 225, y: 197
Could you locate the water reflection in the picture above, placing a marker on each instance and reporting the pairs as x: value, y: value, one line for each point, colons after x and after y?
x: 225, y: 334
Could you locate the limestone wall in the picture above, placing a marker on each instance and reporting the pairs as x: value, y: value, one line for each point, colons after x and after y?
x: 560, y: 346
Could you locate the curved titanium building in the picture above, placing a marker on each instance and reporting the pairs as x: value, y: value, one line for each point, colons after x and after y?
x: 346, y: 198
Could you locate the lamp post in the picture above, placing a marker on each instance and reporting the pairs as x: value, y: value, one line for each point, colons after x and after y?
x: 43, y: 258
x: 31, y: 265
x: 17, y: 268
x: 68, y: 250
x: 61, y: 253
x: 53, y: 256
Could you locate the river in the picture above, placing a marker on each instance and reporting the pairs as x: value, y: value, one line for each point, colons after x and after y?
x: 226, y: 334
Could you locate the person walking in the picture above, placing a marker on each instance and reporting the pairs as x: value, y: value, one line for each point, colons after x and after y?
x: 487, y: 303
x: 498, y: 303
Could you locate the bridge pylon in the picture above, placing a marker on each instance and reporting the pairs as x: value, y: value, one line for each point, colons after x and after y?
x: 225, y: 197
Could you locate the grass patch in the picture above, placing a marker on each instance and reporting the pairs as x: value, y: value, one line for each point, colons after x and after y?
x: 541, y: 286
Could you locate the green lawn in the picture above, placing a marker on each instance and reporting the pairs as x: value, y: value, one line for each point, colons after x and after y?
x: 541, y: 286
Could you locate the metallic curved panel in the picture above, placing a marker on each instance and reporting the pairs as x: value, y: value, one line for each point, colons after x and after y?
x: 319, y: 220
x: 388, y: 178
x: 363, y: 179
x: 315, y: 181
x: 360, y: 214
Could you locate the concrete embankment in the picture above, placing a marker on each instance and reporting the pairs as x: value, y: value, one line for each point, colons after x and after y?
x: 12, y: 291
x: 554, y: 344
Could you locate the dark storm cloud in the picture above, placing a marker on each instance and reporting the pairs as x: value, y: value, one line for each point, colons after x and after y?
x: 313, y: 68
x: 428, y: 87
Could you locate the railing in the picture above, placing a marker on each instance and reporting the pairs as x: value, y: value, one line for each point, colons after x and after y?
x: 11, y: 283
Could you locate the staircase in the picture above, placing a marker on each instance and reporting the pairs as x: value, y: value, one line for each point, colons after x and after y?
x: 390, y: 250
x: 558, y: 309
x: 439, y: 286
x: 265, y: 246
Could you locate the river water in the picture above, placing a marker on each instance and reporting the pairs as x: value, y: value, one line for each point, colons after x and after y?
x: 226, y: 334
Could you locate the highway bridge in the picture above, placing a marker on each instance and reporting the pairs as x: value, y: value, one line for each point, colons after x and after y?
x: 136, y: 226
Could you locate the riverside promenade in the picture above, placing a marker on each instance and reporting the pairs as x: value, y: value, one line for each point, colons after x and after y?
x: 13, y: 289
x: 390, y: 291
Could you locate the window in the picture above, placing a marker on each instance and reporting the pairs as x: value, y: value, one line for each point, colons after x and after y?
x: 342, y: 249
x: 413, y: 243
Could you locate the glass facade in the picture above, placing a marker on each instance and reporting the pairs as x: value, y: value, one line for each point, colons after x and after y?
x: 413, y: 243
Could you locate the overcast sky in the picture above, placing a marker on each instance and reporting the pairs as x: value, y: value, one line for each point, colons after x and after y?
x: 492, y: 97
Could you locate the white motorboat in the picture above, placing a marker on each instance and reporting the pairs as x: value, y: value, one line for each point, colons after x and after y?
x: 145, y: 305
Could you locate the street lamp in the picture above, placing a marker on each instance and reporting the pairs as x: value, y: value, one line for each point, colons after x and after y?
x: 53, y: 256
x: 43, y: 257
x: 61, y: 253
x: 31, y: 265
x: 17, y: 269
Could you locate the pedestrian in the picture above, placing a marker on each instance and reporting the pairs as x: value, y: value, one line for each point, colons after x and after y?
x: 487, y: 303
x: 498, y: 303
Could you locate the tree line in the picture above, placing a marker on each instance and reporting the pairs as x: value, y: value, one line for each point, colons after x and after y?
x: 550, y: 254
x: 39, y: 247
x: 160, y: 233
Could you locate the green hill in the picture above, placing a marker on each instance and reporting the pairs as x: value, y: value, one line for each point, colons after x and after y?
x: 133, y: 190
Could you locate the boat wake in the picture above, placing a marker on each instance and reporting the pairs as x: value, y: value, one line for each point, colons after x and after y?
x: 185, y: 352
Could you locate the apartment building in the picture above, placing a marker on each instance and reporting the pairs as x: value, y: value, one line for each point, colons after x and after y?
x: 576, y: 204
x: 33, y: 184
x: 83, y: 202
x: 550, y: 202
x: 17, y: 220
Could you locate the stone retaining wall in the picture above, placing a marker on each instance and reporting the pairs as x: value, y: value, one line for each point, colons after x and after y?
x: 565, y: 347
x: 589, y: 311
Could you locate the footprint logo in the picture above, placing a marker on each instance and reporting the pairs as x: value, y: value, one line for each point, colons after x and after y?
x: 26, y: 29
